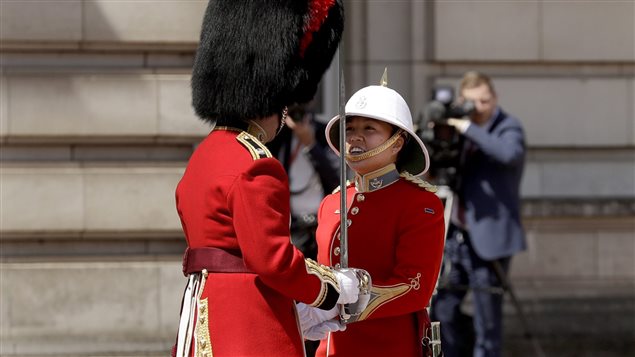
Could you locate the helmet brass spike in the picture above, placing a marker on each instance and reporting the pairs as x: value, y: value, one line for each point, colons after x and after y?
x: 384, y: 78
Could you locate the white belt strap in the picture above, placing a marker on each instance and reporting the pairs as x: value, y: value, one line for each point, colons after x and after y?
x: 186, y: 323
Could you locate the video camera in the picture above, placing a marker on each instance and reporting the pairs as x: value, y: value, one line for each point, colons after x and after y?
x: 444, y: 105
x: 442, y: 139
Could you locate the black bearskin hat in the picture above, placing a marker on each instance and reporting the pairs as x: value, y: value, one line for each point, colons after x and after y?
x: 257, y: 56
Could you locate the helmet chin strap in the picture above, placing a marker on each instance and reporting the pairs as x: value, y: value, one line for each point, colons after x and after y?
x: 283, y: 118
x: 381, y: 148
x: 260, y: 133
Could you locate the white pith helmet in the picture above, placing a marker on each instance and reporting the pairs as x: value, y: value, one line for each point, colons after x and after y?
x: 385, y: 104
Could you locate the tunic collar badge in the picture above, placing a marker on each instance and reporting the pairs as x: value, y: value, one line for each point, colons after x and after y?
x: 376, y: 180
x: 376, y: 183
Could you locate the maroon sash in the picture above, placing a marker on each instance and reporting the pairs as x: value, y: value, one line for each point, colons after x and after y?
x: 214, y: 260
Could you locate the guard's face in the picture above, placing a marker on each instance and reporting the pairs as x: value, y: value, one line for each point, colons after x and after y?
x: 364, y: 134
x: 484, y: 101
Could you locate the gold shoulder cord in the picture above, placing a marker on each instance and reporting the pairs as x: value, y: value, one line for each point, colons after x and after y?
x: 419, y: 182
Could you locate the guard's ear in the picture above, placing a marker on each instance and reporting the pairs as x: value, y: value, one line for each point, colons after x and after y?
x: 399, y: 144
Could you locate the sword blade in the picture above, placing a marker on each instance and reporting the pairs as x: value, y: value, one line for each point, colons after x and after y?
x: 342, y: 138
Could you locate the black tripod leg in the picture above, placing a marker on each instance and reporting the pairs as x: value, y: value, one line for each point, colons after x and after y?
x: 502, y: 277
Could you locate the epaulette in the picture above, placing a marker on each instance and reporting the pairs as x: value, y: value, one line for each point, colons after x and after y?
x: 338, y: 188
x: 257, y: 149
x: 419, y: 182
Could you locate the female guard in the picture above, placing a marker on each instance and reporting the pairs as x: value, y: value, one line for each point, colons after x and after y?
x: 395, y: 227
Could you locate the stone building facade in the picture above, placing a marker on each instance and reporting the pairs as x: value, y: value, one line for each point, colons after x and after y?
x: 96, y: 127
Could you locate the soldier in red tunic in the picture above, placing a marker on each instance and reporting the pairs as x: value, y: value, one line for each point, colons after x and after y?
x: 395, y: 227
x: 244, y: 275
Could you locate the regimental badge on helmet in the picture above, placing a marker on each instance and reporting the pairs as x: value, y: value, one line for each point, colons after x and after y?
x: 256, y: 57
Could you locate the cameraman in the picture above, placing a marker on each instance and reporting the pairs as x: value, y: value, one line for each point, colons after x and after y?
x: 312, y: 169
x: 485, y: 230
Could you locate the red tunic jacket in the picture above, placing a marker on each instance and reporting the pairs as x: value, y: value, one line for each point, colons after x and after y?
x: 235, y: 197
x: 395, y: 232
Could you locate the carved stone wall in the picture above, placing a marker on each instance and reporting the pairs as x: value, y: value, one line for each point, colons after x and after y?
x: 96, y: 128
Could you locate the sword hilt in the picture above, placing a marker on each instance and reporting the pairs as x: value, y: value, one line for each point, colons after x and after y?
x: 351, y: 312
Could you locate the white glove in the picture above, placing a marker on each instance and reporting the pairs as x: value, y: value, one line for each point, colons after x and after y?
x: 349, y: 286
x: 310, y: 316
x: 320, y: 331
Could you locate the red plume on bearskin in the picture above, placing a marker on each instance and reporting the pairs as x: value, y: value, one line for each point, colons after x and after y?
x: 257, y: 56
